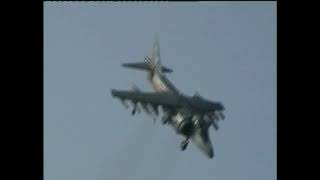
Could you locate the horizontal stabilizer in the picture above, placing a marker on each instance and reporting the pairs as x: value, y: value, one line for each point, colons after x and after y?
x: 144, y: 66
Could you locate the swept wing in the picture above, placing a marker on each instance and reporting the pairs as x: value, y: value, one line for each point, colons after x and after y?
x: 154, y: 98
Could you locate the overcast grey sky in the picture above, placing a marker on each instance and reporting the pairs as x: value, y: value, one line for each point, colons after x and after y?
x: 224, y: 50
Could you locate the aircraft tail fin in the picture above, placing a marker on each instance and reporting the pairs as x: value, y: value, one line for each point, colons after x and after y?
x: 155, y: 61
x: 151, y: 64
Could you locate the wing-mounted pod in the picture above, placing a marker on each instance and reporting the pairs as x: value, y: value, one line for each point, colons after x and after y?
x: 166, y: 115
x: 215, y: 125
x: 212, y: 119
x: 155, y: 109
x: 221, y: 115
x: 143, y: 105
x: 124, y: 103
x: 135, y: 107
x: 135, y: 103
x: 150, y: 109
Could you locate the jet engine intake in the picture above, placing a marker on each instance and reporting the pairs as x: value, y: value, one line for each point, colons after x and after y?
x: 183, y: 124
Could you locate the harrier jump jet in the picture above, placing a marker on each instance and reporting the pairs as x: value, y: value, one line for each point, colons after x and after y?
x: 190, y: 116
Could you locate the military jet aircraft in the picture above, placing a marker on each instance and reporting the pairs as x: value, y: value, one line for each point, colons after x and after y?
x: 190, y: 116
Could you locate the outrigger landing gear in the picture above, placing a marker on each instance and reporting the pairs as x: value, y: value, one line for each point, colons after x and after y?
x: 184, y: 144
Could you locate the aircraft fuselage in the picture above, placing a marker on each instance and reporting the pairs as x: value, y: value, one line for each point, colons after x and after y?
x: 190, y: 116
x: 180, y: 119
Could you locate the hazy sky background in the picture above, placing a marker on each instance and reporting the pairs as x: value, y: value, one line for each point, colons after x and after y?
x: 224, y: 50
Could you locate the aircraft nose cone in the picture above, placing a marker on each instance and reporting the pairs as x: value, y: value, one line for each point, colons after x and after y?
x: 210, y: 153
x: 206, y: 147
x: 202, y: 141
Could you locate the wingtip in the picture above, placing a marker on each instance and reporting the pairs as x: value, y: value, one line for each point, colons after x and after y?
x: 166, y: 69
x: 222, y: 107
x: 169, y: 70
x: 125, y: 64
x: 113, y: 91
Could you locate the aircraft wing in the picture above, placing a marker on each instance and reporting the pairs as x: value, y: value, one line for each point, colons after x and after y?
x: 153, y: 98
